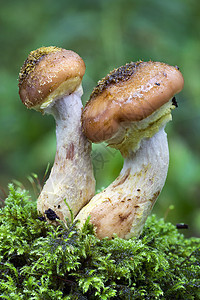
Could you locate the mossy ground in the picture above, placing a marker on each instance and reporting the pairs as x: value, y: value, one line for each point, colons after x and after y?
x: 41, y: 261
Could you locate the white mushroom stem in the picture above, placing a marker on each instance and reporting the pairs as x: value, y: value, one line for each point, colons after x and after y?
x: 71, y: 177
x: 124, y: 206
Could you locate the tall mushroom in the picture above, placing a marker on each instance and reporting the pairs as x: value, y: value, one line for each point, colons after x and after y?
x: 128, y: 110
x: 50, y: 82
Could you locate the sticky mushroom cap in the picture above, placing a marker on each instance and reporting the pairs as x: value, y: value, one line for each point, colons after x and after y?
x: 130, y: 93
x: 47, y: 73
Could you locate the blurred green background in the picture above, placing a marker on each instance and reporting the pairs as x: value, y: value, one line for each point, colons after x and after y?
x: 106, y: 34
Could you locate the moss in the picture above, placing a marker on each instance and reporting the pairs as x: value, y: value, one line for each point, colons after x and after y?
x: 40, y: 261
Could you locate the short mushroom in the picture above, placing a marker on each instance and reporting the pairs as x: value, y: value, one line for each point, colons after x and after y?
x: 128, y: 110
x: 50, y: 82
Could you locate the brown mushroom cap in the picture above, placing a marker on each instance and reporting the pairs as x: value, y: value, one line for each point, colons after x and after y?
x: 129, y: 93
x: 47, y: 73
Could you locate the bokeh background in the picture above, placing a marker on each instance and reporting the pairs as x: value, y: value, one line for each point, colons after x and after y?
x: 106, y: 34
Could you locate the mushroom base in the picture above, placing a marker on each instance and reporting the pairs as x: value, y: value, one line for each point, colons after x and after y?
x: 123, y: 207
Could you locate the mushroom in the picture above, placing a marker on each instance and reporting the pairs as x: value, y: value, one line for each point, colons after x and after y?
x: 128, y: 110
x: 50, y: 82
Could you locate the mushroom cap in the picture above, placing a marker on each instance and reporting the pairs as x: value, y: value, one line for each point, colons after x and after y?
x: 47, y: 73
x: 127, y: 94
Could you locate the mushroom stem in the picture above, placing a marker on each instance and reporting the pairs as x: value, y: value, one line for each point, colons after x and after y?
x: 123, y: 207
x: 71, y: 177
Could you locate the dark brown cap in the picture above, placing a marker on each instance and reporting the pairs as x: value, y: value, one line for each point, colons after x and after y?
x: 129, y: 93
x: 49, y: 71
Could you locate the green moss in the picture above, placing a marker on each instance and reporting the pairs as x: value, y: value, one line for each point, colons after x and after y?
x: 40, y: 261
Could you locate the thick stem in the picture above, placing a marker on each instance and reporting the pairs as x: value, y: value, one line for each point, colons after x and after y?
x: 71, y: 177
x: 122, y: 208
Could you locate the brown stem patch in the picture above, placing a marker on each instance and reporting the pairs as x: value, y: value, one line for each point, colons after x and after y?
x: 70, y: 152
